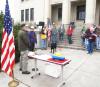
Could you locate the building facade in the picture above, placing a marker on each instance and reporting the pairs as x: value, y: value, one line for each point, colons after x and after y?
x: 59, y: 11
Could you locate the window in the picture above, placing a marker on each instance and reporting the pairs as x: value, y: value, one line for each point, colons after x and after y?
x: 81, y: 12
x: 31, y: 14
x: 59, y: 13
x: 22, y: 15
x: 26, y: 14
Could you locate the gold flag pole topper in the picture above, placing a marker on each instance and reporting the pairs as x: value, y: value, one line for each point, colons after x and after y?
x: 13, y: 83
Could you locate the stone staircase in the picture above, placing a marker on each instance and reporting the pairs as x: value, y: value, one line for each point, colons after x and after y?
x: 76, y: 37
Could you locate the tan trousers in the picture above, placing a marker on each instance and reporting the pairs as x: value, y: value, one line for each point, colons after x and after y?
x: 24, y: 60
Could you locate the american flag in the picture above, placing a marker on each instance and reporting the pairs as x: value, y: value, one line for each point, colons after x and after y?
x: 8, y: 48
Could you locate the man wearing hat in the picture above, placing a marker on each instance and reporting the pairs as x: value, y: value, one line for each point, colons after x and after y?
x: 23, y: 45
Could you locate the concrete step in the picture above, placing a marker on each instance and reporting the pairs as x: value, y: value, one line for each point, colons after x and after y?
x: 75, y: 47
x: 75, y: 41
x: 76, y: 38
x: 78, y: 44
x: 72, y: 47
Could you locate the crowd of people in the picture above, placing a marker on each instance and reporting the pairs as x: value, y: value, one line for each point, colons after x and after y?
x: 27, y: 39
x: 52, y: 35
x: 91, y: 38
x: 49, y: 36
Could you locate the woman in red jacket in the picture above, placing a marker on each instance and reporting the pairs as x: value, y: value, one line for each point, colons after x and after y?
x: 69, y: 33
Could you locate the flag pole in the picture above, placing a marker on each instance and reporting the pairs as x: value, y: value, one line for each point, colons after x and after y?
x: 13, y: 83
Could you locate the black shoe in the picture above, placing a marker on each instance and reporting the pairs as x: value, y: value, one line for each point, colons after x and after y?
x: 20, y: 69
x: 33, y: 69
x: 26, y: 72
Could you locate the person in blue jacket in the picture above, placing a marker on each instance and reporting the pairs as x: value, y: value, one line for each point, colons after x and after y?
x: 32, y: 38
x: 54, y: 38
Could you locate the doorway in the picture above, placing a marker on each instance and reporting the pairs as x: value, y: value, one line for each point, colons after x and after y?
x: 56, y: 14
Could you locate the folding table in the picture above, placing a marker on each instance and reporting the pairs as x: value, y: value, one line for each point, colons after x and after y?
x: 47, y: 58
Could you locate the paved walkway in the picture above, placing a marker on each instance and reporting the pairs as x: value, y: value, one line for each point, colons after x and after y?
x: 83, y: 71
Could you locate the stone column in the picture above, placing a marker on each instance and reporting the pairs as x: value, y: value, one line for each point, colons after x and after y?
x: 66, y: 7
x: 47, y: 10
x: 90, y: 11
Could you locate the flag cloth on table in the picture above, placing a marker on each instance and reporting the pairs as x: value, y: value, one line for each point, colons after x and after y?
x: 59, y: 61
x: 8, y: 48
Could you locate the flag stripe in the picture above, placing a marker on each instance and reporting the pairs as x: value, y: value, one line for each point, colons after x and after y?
x: 5, y: 57
x: 12, y: 52
x: 5, y: 64
x: 4, y: 44
x: 4, y: 52
x: 12, y: 64
x: 7, y: 67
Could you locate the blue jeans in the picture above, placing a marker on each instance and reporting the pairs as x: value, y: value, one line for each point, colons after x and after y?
x: 83, y: 41
x: 43, y: 43
x: 90, y: 47
x: 86, y: 42
x: 61, y: 36
x: 98, y: 43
